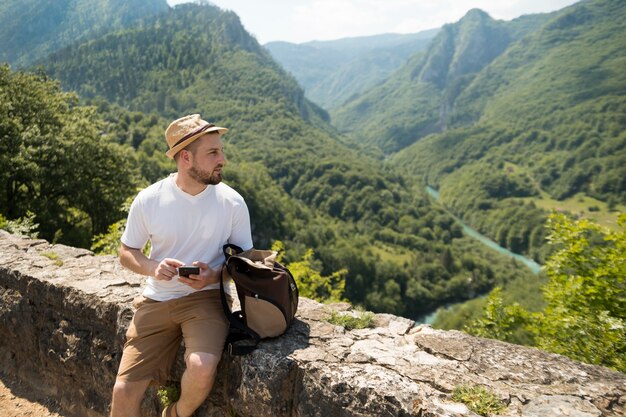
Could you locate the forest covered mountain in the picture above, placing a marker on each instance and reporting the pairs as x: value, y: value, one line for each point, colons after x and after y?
x: 30, y: 29
x: 541, y: 127
x: 303, y: 184
x: 417, y: 99
x: 332, y: 72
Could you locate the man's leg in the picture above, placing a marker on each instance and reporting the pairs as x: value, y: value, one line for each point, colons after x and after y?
x: 197, y: 381
x: 150, y: 349
x: 204, y: 327
x: 127, y: 398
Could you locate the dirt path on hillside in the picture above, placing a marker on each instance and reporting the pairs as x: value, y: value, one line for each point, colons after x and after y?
x: 17, y: 401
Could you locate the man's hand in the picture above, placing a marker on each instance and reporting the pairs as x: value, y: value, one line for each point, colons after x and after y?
x: 207, y: 276
x: 166, y: 269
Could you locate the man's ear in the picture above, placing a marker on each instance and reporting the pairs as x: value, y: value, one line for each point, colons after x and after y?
x: 185, y: 156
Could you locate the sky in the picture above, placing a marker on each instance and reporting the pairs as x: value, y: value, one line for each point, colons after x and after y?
x: 299, y: 21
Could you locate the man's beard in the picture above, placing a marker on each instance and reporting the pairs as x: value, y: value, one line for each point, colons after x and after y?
x: 206, y: 177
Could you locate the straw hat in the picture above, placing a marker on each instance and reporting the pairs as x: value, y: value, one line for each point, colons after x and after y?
x: 183, y: 131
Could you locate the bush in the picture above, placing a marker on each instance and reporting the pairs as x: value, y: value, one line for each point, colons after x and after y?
x: 359, y: 320
x: 478, y: 399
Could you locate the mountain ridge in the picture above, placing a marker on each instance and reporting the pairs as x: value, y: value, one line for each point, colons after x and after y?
x: 29, y: 29
x: 331, y: 72
x: 421, y: 93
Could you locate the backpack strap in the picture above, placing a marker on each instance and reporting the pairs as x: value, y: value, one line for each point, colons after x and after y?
x: 241, y: 339
x: 229, y: 250
x: 240, y: 343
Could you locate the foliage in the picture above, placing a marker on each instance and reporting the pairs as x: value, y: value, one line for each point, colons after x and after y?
x: 478, y: 399
x: 493, y: 200
x: 25, y: 226
x: 351, y: 321
x: 524, y: 290
x: 142, y: 131
x: 169, y: 63
x: 169, y: 393
x: 500, y: 321
x: 311, y: 283
x: 313, y: 193
x: 585, y: 313
x: 231, y: 412
x: 303, y: 184
x: 109, y: 243
x: 55, y: 162
x: 53, y: 257
x: 585, y: 318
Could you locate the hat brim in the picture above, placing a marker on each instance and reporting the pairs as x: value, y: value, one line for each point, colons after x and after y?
x: 170, y: 153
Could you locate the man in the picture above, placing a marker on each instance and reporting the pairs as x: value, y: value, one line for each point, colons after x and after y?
x: 187, y: 217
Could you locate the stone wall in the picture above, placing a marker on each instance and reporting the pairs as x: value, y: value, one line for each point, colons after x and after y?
x: 64, y: 312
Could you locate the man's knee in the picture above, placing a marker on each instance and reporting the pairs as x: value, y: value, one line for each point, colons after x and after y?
x: 129, y: 392
x: 202, y: 366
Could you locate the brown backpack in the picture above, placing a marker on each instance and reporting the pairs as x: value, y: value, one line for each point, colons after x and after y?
x: 267, y: 293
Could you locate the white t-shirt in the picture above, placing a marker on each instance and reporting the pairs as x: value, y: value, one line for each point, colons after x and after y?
x: 185, y: 227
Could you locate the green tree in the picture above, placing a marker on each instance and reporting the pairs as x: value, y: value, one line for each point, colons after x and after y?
x: 56, y: 162
x: 499, y: 321
x: 109, y: 243
x: 585, y: 314
x: 25, y: 226
x: 311, y: 283
x: 585, y: 318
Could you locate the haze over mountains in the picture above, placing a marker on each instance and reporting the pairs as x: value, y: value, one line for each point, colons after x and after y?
x: 332, y: 72
x: 500, y: 116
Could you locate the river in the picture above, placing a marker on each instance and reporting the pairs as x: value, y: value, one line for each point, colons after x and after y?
x: 531, y: 264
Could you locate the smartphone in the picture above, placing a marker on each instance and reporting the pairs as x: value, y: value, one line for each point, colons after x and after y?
x: 185, y: 271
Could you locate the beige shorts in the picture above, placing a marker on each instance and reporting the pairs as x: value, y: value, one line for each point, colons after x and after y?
x: 157, y: 328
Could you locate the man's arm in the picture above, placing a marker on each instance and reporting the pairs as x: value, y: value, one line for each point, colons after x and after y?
x: 136, y: 261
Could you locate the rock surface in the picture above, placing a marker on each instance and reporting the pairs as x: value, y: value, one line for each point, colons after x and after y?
x: 64, y: 313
